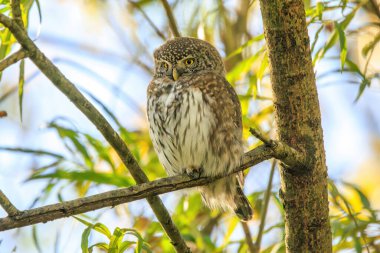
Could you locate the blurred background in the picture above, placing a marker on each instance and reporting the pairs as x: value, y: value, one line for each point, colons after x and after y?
x: 51, y: 152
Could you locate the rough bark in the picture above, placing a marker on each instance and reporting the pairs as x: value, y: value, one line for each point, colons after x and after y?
x: 297, y: 115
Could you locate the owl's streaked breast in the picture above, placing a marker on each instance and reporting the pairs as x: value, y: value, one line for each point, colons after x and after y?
x: 181, y: 123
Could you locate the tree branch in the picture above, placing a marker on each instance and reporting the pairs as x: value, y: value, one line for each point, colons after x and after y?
x: 265, y: 208
x: 8, y: 206
x: 16, y: 11
x: 120, y: 196
x: 13, y: 58
x: 292, y: 158
x: 172, y: 23
x: 68, y: 88
x: 155, y: 28
x: 248, y: 237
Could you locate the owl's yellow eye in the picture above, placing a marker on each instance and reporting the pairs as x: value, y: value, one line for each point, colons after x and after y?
x: 164, y: 65
x: 189, y: 61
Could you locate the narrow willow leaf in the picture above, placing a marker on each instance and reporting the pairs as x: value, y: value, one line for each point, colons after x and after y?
x: 263, y: 66
x: 21, y: 81
x: 146, y: 247
x: 100, y: 245
x: 104, y: 107
x: 84, y: 241
x: 230, y: 228
x: 101, y: 228
x: 343, y: 44
x: 353, y: 67
x: 334, y: 36
x: 39, y: 10
x: 319, y: 9
x: 365, y: 202
x: 125, y: 245
x: 88, y: 224
x: 35, y: 239
x: 87, y: 176
x: 33, y: 151
x: 370, y: 46
x: 102, y: 151
x: 75, y: 139
x: 358, y: 245
x: 246, y: 44
x: 365, y: 82
x: 316, y: 36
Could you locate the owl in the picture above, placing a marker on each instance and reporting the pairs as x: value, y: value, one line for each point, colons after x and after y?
x: 195, y: 120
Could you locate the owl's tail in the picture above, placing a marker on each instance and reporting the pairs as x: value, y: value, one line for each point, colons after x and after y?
x: 227, y: 194
x: 243, y: 208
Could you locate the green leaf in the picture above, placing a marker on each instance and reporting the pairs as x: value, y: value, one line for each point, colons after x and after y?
x: 100, y: 245
x: 101, y: 228
x: 358, y: 245
x: 21, y: 81
x: 334, y: 36
x: 146, y: 247
x: 246, y: 44
x: 230, y: 228
x: 125, y: 245
x: 316, y: 36
x: 35, y: 239
x: 39, y: 10
x: 319, y: 9
x: 73, y: 136
x: 83, y: 176
x: 343, y: 45
x: 263, y: 66
x: 83, y: 221
x: 33, y: 151
x: 105, y: 108
x: 101, y: 149
x: 353, y: 67
x: 84, y: 241
x: 363, y: 85
x: 364, y: 200
x: 371, y: 45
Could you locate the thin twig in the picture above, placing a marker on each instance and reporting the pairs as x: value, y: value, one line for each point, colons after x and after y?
x: 121, y: 196
x: 172, y: 23
x: 155, y: 28
x: 13, y: 58
x: 16, y: 11
x: 265, y: 207
x: 261, y: 137
x: 375, y: 7
x: 8, y: 206
x: 248, y: 237
x: 293, y: 159
x: 69, y: 89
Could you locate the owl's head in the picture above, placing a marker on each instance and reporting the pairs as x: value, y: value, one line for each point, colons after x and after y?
x: 185, y: 56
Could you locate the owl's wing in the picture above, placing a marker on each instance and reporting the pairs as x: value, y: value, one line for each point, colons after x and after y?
x: 222, y: 98
x: 225, y: 106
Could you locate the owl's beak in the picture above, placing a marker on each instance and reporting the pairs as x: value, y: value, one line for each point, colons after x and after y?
x: 175, y: 74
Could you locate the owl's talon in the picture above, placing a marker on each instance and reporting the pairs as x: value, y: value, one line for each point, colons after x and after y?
x: 194, y: 172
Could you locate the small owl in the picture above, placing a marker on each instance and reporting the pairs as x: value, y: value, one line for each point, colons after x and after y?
x: 195, y: 120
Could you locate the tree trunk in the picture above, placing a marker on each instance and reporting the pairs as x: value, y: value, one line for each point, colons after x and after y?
x: 297, y: 115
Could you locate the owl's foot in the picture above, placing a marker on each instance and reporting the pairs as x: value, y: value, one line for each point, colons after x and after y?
x: 194, y: 172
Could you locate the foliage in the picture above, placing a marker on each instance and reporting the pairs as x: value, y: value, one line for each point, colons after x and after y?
x: 88, y: 162
x: 116, y: 244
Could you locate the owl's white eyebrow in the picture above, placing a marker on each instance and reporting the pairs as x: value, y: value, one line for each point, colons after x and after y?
x: 187, y: 57
x: 160, y: 61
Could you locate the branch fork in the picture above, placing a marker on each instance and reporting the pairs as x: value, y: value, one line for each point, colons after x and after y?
x: 292, y: 159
